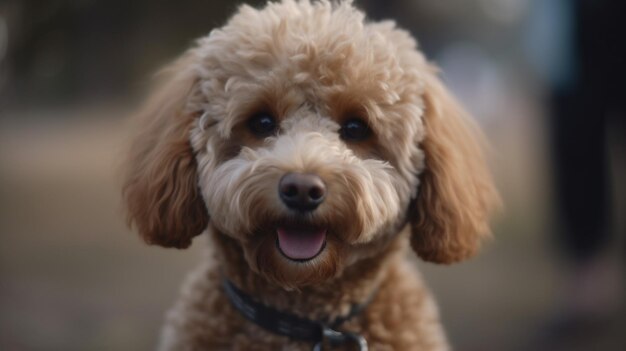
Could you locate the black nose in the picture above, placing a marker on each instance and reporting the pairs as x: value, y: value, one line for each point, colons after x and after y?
x: 302, y: 191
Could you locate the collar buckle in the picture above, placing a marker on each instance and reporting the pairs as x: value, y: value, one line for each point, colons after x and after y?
x: 336, y: 338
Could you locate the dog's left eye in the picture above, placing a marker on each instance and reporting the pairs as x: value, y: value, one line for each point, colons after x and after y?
x: 262, y: 125
x: 355, y: 130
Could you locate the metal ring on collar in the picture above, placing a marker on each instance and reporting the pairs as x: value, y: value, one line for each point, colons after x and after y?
x: 336, y: 338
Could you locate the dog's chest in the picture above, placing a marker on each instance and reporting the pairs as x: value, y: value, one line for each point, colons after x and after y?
x: 403, y: 316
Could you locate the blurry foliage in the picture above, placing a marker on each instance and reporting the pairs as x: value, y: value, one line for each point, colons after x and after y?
x: 59, y: 49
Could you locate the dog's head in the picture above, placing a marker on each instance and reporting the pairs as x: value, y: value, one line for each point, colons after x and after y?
x: 311, y: 137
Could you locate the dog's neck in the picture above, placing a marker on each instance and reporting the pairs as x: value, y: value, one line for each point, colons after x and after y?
x: 331, y: 300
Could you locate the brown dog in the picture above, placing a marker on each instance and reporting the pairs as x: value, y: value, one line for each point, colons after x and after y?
x: 311, y: 146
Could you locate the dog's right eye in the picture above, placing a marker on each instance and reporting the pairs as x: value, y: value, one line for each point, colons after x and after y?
x: 262, y: 125
x: 355, y: 130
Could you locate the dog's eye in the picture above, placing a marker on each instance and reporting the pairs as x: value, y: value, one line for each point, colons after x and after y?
x: 355, y: 130
x: 262, y: 125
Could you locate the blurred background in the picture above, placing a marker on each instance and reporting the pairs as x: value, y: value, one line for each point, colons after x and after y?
x: 543, y: 78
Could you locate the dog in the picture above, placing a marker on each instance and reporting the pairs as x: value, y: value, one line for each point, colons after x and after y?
x: 313, y: 148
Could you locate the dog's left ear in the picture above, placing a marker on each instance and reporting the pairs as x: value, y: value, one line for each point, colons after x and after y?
x: 161, y: 186
x: 450, y: 216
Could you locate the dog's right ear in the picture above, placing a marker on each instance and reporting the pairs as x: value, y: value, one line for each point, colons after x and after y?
x: 161, y: 187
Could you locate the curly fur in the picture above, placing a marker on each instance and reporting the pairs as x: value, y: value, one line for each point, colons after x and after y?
x: 420, y: 178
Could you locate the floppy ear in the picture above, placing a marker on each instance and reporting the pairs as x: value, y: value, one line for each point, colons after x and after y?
x: 456, y: 194
x: 161, y: 188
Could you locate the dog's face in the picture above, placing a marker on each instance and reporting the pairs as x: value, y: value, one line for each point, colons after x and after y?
x: 310, y: 137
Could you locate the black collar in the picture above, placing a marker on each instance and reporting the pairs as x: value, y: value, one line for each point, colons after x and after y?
x: 292, y: 326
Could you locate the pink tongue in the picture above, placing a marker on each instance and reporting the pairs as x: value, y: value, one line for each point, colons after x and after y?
x: 301, y: 243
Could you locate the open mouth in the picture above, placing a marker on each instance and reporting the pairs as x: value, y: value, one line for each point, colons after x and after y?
x: 300, y: 242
